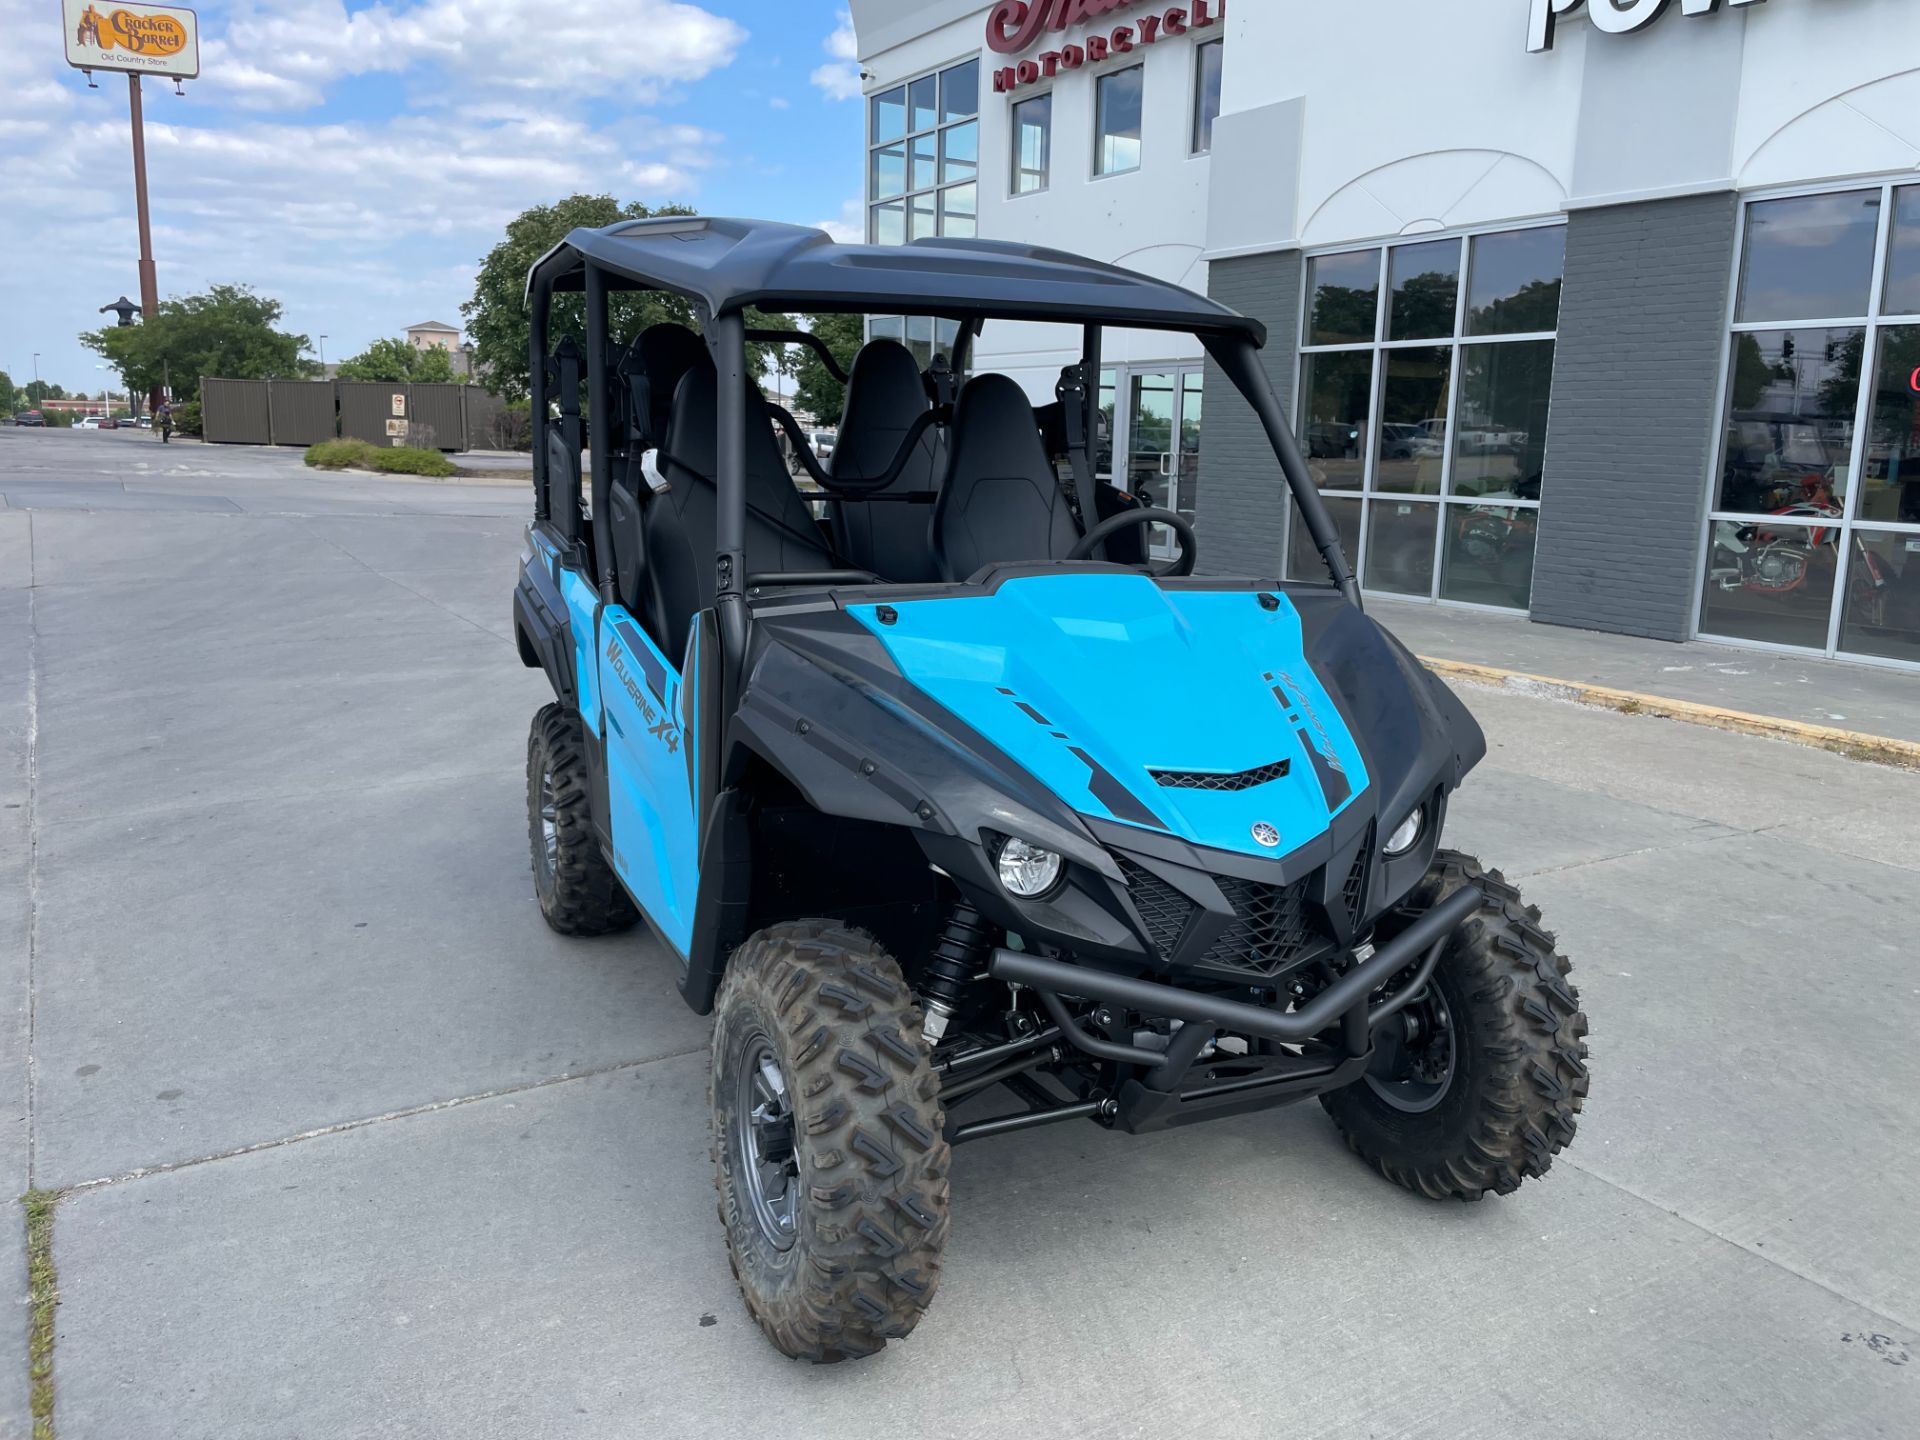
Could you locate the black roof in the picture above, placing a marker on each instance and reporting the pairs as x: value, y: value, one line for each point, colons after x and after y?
x: 730, y: 264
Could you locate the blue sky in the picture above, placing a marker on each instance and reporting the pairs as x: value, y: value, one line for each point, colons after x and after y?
x: 355, y: 160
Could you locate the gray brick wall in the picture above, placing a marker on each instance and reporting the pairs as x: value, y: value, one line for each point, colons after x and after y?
x: 1241, y: 505
x: 1643, y: 318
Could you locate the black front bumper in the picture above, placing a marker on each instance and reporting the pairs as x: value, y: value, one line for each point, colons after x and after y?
x: 1334, y: 1028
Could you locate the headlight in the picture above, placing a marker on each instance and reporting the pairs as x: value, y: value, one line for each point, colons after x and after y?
x: 1027, y: 870
x: 1406, y: 833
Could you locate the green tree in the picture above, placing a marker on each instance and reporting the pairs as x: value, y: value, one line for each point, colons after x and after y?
x: 815, y: 388
x: 1423, y: 304
x: 1343, y: 313
x: 228, y: 332
x: 397, y: 361
x: 497, y: 318
x: 37, y: 391
x: 497, y: 321
x: 1534, y: 306
x: 9, y: 397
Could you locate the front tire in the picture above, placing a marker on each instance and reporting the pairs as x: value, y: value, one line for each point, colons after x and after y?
x: 1479, y: 1087
x: 829, y: 1147
x: 578, y: 892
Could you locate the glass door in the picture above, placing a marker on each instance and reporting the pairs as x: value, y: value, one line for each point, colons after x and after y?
x: 1161, y: 444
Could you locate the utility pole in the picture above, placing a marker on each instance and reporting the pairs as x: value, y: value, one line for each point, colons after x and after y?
x: 149, y: 282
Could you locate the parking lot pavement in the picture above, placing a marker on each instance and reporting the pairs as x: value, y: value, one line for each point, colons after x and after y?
x: 381, y: 1155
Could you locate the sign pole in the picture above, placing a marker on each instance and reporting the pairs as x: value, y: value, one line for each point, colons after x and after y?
x: 149, y: 283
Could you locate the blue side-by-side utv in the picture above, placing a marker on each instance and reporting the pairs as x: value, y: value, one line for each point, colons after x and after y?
x: 960, y: 811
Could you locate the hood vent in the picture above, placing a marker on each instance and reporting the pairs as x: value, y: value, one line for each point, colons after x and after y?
x: 1215, y: 780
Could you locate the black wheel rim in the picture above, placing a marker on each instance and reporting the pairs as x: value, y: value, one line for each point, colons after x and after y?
x: 763, y: 1143
x: 1428, y: 1060
x: 546, y: 841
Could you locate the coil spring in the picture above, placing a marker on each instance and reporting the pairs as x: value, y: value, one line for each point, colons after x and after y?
x: 957, y: 956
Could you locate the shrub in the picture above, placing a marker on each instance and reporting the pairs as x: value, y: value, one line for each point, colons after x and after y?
x: 388, y: 459
x: 186, y: 418
x: 339, y: 454
x: 408, y: 460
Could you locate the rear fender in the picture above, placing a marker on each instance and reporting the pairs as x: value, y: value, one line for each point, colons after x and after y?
x: 541, y: 629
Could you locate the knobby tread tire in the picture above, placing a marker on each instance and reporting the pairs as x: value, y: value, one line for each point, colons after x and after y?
x: 870, y: 1133
x: 1521, y: 1057
x: 586, y: 897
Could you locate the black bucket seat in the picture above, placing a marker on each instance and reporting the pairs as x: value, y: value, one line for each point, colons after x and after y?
x: 1002, y: 502
x: 885, y: 398
x: 681, y: 521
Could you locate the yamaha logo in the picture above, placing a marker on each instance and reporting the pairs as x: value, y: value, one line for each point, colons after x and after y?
x: 1265, y: 834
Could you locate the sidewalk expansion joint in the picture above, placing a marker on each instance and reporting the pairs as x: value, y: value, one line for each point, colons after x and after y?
x: 1854, y: 744
x: 1895, y: 1321
x: 409, y: 1112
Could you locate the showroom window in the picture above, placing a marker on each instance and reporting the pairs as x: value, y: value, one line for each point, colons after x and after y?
x: 1206, y: 94
x: 1813, y: 539
x: 1032, y: 144
x: 922, y: 334
x: 1116, y: 121
x: 1425, y: 372
x: 923, y: 157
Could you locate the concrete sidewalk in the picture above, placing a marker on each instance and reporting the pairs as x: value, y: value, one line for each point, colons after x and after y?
x: 1869, y: 699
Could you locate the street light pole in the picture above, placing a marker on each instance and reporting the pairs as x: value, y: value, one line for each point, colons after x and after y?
x: 323, y: 355
x: 149, y: 282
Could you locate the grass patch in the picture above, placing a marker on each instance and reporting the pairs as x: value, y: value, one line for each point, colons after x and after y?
x: 387, y: 459
x: 43, y: 1298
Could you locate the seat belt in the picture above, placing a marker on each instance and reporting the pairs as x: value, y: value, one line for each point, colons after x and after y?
x: 1072, y: 395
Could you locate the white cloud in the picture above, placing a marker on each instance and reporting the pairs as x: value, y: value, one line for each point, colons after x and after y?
x: 779, y: 102
x: 840, y: 79
x: 283, y: 55
x: 359, y: 228
x: 849, y: 227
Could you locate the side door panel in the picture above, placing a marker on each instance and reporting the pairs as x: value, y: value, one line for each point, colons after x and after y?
x: 650, y: 774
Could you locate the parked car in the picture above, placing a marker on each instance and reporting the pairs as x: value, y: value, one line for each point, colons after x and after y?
x: 30, y: 417
x: 87, y: 422
x: 1408, y: 442
x: 145, y: 422
x: 107, y: 422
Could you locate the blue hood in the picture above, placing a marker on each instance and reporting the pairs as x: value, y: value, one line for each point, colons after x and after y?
x: 1133, y: 703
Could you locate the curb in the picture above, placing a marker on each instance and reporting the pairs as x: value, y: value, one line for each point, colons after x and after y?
x: 1854, y: 744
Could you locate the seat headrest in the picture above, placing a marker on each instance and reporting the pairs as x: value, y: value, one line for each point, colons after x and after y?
x: 885, y: 379
x: 662, y: 355
x: 994, y: 430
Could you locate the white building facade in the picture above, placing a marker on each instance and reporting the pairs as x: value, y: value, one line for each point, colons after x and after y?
x: 1607, y: 312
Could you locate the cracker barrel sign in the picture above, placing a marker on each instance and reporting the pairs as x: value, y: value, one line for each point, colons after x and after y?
x: 140, y: 39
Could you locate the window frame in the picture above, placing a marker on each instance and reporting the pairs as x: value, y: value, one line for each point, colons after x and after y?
x: 1014, y: 168
x: 1194, y: 148
x: 1099, y: 85
x: 1379, y: 346
x: 1849, y: 521
x: 934, y: 193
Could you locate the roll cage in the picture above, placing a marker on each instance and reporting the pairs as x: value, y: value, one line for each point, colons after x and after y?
x: 723, y: 267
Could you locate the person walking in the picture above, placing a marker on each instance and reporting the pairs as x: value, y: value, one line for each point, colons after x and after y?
x: 163, y: 417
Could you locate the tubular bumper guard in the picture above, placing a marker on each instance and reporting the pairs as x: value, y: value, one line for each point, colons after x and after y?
x: 1156, y: 1092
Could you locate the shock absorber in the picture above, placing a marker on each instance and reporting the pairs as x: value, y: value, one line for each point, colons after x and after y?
x: 957, y: 956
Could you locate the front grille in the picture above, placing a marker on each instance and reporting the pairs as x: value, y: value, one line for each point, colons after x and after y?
x: 1270, y: 930
x: 1164, y: 908
x: 1214, y: 780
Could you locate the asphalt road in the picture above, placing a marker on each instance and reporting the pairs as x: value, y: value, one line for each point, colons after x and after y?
x: 365, y: 1150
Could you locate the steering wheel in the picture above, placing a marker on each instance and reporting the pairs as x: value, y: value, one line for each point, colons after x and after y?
x: 1182, y: 564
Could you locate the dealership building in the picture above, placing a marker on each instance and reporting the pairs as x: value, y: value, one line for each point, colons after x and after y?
x: 1607, y: 313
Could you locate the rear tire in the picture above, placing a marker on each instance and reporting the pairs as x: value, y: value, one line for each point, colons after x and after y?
x: 578, y: 892
x: 829, y: 1147
x: 1498, y: 1102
